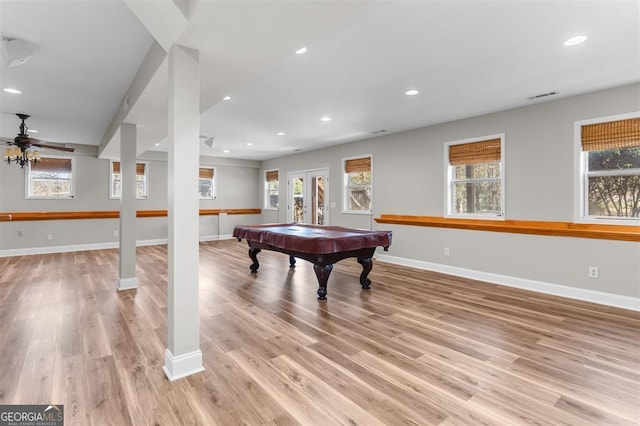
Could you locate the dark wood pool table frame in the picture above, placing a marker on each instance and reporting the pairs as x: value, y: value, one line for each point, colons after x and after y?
x: 321, y: 245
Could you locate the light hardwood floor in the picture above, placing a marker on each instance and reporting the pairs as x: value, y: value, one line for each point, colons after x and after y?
x: 418, y: 348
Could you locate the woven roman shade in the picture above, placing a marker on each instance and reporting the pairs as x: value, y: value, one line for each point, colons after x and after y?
x: 475, y: 152
x: 272, y: 176
x: 611, y: 135
x: 52, y: 165
x: 206, y: 173
x: 139, y: 168
x: 358, y: 165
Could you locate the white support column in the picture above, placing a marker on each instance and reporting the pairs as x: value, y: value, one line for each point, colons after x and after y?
x: 127, y: 279
x: 183, y: 356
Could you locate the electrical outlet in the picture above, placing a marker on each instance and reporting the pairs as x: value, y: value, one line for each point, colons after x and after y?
x: 49, y: 237
x: 446, y: 251
x: 593, y: 272
x: 115, y: 233
x: 20, y: 234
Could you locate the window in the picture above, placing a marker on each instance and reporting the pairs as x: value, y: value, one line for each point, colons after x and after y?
x: 271, y: 188
x: 609, y: 169
x: 51, y: 177
x: 357, y: 185
x: 475, y: 177
x: 116, y: 180
x: 206, y: 183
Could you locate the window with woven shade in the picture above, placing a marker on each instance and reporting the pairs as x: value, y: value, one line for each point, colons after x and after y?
x: 609, y: 155
x: 475, y: 177
x: 115, y: 180
x: 357, y: 185
x: 271, y: 189
x: 51, y: 177
x: 207, y: 183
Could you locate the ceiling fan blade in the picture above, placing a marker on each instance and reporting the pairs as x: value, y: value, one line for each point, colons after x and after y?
x: 39, y: 144
x: 5, y: 140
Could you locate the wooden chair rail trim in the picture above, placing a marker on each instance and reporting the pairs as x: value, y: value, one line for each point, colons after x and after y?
x: 560, y: 229
x: 108, y: 214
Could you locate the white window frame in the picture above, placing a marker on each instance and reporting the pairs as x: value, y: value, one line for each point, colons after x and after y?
x: 581, y: 175
x: 214, y: 188
x: 345, y: 186
x: 449, y: 197
x: 266, y: 205
x: 112, y: 196
x: 72, y: 186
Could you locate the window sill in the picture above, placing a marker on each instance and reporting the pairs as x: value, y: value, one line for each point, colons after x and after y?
x: 360, y: 212
x: 65, y: 197
x: 559, y: 229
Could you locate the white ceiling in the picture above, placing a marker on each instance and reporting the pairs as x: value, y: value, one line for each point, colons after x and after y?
x: 85, y: 54
x: 465, y: 57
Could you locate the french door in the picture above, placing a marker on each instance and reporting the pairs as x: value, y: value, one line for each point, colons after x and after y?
x: 308, y: 197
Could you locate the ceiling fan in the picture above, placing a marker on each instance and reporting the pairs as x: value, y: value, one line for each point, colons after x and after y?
x: 19, y: 148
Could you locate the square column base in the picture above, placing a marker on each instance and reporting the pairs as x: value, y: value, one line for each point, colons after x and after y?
x: 127, y: 283
x: 177, y: 367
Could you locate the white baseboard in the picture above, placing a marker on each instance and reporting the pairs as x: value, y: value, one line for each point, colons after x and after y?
x: 98, y: 246
x: 216, y: 237
x: 58, y: 249
x: 177, y: 367
x: 127, y: 283
x: 602, y: 298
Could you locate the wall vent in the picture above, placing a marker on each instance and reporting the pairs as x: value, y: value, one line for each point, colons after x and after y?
x: 542, y: 95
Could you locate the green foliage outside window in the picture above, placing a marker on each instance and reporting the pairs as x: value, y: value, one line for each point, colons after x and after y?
x: 614, y: 183
x: 477, y: 188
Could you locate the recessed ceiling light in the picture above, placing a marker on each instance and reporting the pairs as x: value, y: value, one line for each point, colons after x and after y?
x: 574, y: 41
x: 249, y: 144
x: 226, y: 151
x: 411, y: 92
x: 326, y: 118
x: 157, y: 143
x: 281, y: 133
x: 301, y: 51
x: 12, y: 90
x: 226, y: 98
x: 32, y: 131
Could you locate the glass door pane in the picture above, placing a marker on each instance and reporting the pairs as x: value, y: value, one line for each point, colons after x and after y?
x: 318, y: 200
x: 297, y: 198
x: 308, y: 197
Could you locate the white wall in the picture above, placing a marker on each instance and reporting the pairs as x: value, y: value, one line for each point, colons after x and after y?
x: 408, y: 178
x: 236, y: 184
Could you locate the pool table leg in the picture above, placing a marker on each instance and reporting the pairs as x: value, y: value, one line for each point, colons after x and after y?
x: 253, y: 255
x: 292, y: 262
x: 322, y: 272
x: 367, y: 265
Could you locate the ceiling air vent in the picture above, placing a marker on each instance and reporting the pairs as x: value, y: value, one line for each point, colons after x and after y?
x: 542, y: 95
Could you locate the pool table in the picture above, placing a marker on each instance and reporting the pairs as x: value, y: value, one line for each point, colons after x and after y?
x: 321, y: 245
